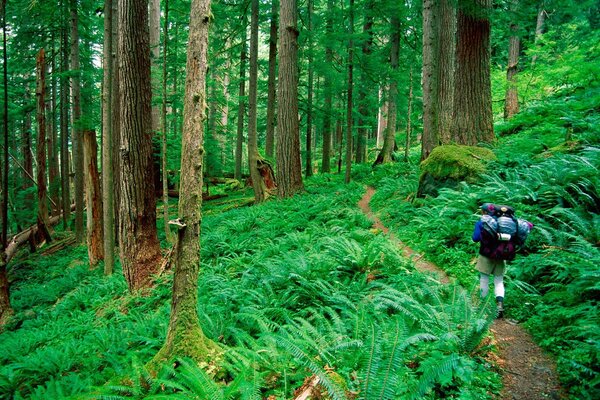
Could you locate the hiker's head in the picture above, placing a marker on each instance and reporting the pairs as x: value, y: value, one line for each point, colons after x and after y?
x: 488, y: 208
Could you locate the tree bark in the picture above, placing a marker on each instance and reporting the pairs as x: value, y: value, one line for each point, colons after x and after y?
x: 184, y: 336
x: 349, y: 99
x: 473, y: 98
x: 40, y: 92
x: 289, y: 167
x: 53, y: 165
x: 511, y: 102
x: 539, y: 28
x: 65, y: 169
x: 409, y: 116
x: 5, y: 307
x: 430, y: 137
x: 139, y: 246
x: 241, y: 103
x: 328, y: 93
x: 272, y: 82
x: 446, y: 56
x: 116, y: 118
x: 364, y: 108
x: 93, y: 199
x: 255, y: 162
x: 385, y: 156
x: 165, y: 175
x: 108, y: 198
x: 76, y: 122
x: 309, y: 100
x: 154, y: 25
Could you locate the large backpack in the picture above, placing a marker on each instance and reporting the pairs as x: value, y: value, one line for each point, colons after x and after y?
x: 502, y: 233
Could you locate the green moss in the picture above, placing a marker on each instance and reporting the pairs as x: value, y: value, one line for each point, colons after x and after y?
x: 457, y: 162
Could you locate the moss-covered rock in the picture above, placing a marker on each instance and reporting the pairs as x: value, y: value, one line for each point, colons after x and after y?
x: 448, y: 165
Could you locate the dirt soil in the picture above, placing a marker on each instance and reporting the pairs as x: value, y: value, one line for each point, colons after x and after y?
x: 527, y: 372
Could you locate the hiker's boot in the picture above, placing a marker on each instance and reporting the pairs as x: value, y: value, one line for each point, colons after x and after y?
x: 500, y: 306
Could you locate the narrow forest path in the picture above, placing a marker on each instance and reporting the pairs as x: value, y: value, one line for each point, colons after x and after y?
x: 527, y: 372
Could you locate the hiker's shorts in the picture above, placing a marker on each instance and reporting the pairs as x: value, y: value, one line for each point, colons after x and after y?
x: 488, y: 266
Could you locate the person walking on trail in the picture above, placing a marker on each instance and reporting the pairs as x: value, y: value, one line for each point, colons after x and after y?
x: 487, y: 266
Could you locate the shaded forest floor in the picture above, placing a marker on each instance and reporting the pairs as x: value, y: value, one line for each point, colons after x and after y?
x: 527, y: 372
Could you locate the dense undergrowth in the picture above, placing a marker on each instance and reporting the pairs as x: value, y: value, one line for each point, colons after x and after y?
x: 291, y: 289
x: 547, y: 168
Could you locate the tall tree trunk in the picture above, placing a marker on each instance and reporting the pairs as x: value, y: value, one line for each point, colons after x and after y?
x: 154, y: 25
x: 139, y: 246
x: 511, y: 102
x: 108, y: 197
x: 309, y: 100
x: 409, y: 116
x: 255, y: 162
x: 349, y: 99
x: 184, y: 336
x: 328, y: 93
x: 241, y: 104
x: 289, y: 167
x: 539, y: 28
x: 65, y: 169
x: 385, y: 156
x: 76, y: 122
x: 93, y: 197
x: 53, y: 165
x: 446, y: 56
x: 272, y: 84
x: 430, y: 137
x: 116, y: 118
x: 473, y: 98
x: 5, y: 308
x: 165, y: 174
x: 381, y: 117
x: 363, y: 107
x: 40, y: 93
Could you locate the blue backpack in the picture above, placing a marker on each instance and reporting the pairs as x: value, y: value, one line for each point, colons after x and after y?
x: 502, y: 232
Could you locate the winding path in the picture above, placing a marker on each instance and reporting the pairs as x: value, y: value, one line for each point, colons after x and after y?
x: 527, y: 372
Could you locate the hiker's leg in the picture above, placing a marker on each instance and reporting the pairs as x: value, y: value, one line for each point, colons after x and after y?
x: 484, y: 283
x: 499, y: 286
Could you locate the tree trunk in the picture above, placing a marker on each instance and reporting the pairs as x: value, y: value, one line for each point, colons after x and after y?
x: 430, y: 138
x: 349, y: 113
x: 254, y: 160
x: 385, y: 156
x: 154, y: 25
x: 381, y: 117
x: 93, y: 199
x: 108, y: 198
x: 289, y: 168
x: 539, y: 28
x: 272, y: 84
x: 309, y: 100
x: 473, y: 99
x: 139, y: 246
x: 165, y: 175
x: 184, y: 336
x: 446, y: 55
x: 364, y: 108
x: 241, y: 104
x: 76, y: 122
x: 328, y: 93
x: 65, y: 170
x: 5, y: 308
x: 40, y: 93
x: 53, y: 165
x: 409, y: 116
x: 116, y: 119
x: 511, y: 103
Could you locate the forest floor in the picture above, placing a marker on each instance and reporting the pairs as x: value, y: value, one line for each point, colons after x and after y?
x: 527, y: 372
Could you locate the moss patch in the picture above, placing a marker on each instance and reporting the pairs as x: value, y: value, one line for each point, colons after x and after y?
x: 448, y: 165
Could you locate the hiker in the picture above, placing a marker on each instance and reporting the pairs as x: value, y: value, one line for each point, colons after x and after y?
x: 487, y: 266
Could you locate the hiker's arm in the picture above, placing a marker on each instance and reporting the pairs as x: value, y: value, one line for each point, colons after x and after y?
x: 477, y: 231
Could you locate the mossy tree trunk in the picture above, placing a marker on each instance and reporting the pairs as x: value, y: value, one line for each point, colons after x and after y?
x: 185, y: 337
x: 328, y: 92
x: 272, y: 85
x: 241, y: 104
x: 93, y: 199
x: 42, y: 216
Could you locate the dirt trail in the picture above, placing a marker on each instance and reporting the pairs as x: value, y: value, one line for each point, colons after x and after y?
x: 527, y: 373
